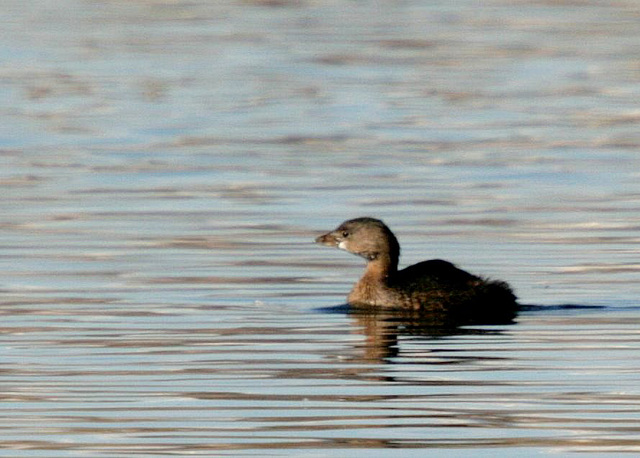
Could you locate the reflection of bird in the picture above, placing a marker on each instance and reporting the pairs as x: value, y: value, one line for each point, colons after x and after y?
x: 434, y: 286
x: 384, y: 331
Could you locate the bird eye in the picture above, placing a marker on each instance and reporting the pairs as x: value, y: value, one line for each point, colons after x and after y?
x: 345, y: 234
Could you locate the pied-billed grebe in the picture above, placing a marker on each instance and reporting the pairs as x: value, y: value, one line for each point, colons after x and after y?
x: 429, y: 286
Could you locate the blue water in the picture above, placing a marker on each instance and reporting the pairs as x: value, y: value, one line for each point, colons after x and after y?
x: 165, y: 166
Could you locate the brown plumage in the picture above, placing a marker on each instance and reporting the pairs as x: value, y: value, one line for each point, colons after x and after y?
x: 433, y: 286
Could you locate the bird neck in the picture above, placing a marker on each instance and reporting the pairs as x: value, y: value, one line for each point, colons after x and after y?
x: 380, y: 268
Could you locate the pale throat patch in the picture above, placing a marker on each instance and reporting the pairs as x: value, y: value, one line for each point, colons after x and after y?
x: 342, y: 245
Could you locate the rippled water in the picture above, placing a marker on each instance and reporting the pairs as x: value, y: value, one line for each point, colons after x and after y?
x: 165, y: 166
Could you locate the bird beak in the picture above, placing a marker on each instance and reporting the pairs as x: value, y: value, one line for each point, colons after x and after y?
x: 328, y: 239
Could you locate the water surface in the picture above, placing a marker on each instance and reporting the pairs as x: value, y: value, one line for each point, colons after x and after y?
x: 166, y: 165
